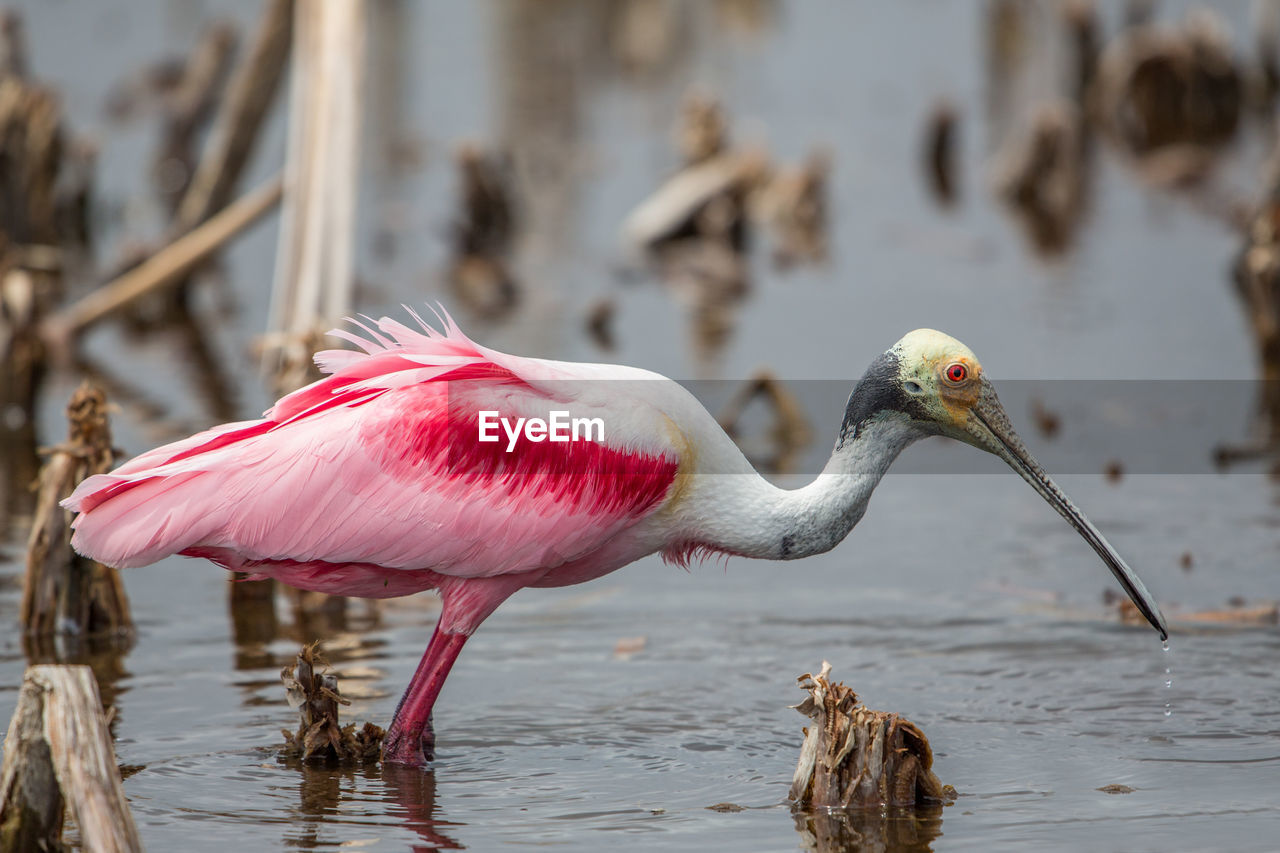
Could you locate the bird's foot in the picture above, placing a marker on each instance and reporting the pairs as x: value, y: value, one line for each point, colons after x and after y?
x: 404, y: 745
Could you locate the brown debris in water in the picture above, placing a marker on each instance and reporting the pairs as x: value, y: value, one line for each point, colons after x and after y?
x: 1238, y: 614
x: 854, y: 757
x: 628, y: 647
x: 1047, y: 421
x: 484, y: 233
x: 1116, y: 789
x: 1040, y: 176
x: 319, y: 735
x: 940, y: 156
x: 599, y: 324
x: 1171, y: 97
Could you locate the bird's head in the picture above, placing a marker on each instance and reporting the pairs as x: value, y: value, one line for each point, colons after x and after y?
x: 936, y: 384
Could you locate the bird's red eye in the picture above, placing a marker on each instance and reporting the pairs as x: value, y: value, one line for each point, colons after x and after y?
x: 957, y: 372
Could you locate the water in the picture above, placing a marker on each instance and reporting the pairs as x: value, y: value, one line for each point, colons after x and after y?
x: 959, y: 601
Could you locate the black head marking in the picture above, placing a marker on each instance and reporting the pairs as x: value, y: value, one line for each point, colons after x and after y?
x: 879, y: 390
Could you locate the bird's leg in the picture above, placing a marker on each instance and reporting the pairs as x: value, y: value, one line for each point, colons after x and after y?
x: 410, y: 739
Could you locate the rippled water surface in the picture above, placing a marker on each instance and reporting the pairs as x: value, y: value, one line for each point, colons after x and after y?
x: 960, y: 601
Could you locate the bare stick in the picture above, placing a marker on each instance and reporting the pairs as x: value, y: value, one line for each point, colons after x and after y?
x: 58, y: 750
x: 166, y: 267
x: 313, y: 277
x: 249, y: 96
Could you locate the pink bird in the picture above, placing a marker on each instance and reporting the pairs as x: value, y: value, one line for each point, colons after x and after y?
x: 430, y: 462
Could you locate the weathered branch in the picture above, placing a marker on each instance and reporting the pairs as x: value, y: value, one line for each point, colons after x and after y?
x: 58, y: 757
x: 166, y: 267
x: 314, y: 257
x: 249, y: 96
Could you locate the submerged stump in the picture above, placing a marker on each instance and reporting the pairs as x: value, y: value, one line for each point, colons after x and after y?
x: 855, y: 758
x: 320, y: 736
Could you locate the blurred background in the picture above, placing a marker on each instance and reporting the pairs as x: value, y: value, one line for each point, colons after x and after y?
x: 753, y: 196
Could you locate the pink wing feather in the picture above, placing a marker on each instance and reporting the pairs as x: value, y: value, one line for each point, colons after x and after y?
x: 372, y: 481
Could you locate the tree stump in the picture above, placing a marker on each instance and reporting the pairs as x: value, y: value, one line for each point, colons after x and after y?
x: 854, y: 757
x: 64, y: 592
x: 58, y: 759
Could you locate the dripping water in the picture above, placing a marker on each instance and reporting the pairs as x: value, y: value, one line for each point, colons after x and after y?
x: 1168, y: 680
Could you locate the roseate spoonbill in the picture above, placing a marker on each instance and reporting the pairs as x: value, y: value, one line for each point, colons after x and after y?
x: 374, y: 481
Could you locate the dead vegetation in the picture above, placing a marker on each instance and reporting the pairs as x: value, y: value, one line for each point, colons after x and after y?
x: 320, y: 737
x: 865, y: 778
x: 64, y: 592
x: 1173, y: 92
x: 1238, y: 614
x: 697, y: 229
x: 854, y: 757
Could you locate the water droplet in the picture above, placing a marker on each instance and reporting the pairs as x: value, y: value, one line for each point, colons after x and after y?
x: 1168, y: 682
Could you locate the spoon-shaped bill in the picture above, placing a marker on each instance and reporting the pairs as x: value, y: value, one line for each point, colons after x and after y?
x: 990, y: 429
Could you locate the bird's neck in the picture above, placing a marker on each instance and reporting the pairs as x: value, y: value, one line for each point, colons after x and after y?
x: 780, y: 524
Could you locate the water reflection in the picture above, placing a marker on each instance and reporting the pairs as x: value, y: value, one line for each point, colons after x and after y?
x: 252, y: 608
x: 413, y: 795
x: 407, y: 794
x: 901, y: 830
x: 103, y: 653
x: 341, y: 625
